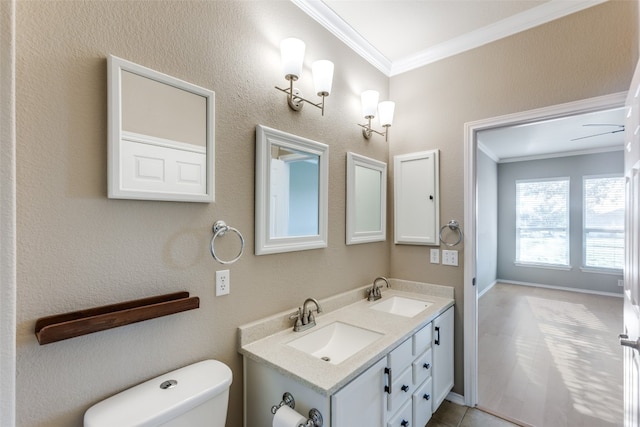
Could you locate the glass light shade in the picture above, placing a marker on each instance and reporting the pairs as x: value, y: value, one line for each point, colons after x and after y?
x: 369, y: 99
x: 292, y: 54
x: 322, y: 76
x: 385, y: 112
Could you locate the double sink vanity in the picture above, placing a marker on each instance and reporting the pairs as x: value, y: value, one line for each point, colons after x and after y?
x: 387, y: 362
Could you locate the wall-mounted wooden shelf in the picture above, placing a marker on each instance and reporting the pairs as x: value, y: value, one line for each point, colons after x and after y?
x: 63, y: 326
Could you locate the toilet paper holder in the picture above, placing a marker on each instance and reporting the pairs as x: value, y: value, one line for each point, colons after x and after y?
x: 315, y: 417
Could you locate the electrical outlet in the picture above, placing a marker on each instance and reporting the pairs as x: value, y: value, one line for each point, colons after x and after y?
x: 435, y: 256
x: 222, y: 282
x: 450, y: 258
x: 621, y: 283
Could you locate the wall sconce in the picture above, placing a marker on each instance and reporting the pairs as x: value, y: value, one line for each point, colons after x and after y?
x: 385, y: 109
x: 292, y: 52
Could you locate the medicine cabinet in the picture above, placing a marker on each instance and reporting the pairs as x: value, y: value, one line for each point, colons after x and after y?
x: 416, y: 198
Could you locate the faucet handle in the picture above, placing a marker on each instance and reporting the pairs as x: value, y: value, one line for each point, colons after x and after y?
x: 298, y: 316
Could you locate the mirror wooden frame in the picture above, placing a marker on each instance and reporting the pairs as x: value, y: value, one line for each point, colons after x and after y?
x: 128, y: 150
x: 266, y: 138
x: 352, y: 235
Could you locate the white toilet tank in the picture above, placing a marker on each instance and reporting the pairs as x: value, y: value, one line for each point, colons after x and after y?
x: 194, y: 396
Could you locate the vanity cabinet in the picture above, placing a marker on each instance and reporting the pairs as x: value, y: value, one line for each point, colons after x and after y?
x: 402, y: 389
x: 416, y: 198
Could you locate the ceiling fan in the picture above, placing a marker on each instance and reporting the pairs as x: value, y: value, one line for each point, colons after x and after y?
x: 618, y: 128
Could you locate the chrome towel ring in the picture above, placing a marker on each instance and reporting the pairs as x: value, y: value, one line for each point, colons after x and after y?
x: 220, y: 228
x: 454, y: 226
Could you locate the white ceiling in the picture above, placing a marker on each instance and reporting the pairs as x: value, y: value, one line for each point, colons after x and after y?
x: 580, y: 134
x: 397, y: 36
x: 400, y: 35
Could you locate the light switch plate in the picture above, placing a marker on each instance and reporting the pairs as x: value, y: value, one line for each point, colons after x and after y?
x: 450, y: 258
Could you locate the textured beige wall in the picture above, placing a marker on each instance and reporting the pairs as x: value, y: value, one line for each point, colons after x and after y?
x: 588, y: 54
x: 7, y: 214
x: 77, y: 249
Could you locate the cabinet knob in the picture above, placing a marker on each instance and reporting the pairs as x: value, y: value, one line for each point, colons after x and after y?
x: 404, y: 423
x: 426, y: 397
x: 426, y: 366
x: 404, y: 388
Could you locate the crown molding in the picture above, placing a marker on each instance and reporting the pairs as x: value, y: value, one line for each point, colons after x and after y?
x: 531, y: 18
x: 326, y: 17
x: 488, y: 152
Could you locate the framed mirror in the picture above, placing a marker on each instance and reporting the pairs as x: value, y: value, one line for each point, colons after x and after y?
x: 292, y: 180
x: 366, y: 199
x: 160, y: 136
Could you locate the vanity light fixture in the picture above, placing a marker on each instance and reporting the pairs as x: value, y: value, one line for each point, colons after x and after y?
x: 292, y: 52
x: 385, y: 109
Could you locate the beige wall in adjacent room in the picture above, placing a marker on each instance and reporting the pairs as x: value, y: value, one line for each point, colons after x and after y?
x: 78, y: 249
x: 584, y: 55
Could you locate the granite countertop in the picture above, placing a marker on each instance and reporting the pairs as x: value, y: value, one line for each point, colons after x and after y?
x: 265, y: 340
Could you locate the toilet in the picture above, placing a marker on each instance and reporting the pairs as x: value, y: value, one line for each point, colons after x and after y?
x: 196, y: 395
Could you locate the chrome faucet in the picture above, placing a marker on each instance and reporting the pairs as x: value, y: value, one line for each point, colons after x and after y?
x: 374, y: 293
x: 304, y: 316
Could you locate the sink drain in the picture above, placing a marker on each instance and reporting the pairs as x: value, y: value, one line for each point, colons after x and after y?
x: 326, y: 359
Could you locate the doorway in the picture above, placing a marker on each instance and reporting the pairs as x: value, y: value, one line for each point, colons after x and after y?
x: 472, y: 130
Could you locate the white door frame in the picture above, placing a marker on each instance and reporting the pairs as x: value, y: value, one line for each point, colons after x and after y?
x: 470, y: 174
x: 7, y: 214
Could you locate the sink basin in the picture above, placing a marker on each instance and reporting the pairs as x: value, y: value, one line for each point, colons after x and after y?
x: 335, y: 342
x: 401, y: 306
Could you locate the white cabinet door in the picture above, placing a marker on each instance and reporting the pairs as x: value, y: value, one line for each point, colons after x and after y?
x: 416, y: 198
x: 442, y: 372
x: 362, y: 401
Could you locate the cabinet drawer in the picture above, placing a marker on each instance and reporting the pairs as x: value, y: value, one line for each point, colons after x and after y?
x: 422, y: 340
x: 422, y: 367
x: 422, y: 404
x: 403, y: 417
x: 402, y: 390
x: 400, y: 357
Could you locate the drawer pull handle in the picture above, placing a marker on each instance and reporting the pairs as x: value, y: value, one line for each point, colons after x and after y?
x: 404, y: 388
x: 437, y: 341
x: 387, y: 388
x: 426, y: 397
x: 426, y: 366
x: 404, y: 423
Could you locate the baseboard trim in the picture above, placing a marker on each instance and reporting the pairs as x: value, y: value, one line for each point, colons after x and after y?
x: 559, y: 288
x: 487, y: 289
x: 455, y: 398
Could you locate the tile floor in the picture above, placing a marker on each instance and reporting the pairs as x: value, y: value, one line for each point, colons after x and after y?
x: 453, y: 415
x: 550, y: 358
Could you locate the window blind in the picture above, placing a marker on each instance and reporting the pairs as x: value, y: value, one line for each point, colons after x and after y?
x: 542, y: 221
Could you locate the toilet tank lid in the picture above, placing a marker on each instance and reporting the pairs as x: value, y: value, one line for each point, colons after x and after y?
x: 148, y: 404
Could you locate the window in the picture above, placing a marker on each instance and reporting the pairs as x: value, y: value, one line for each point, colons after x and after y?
x: 542, y: 222
x: 603, y: 229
